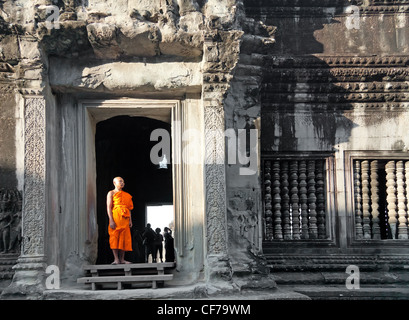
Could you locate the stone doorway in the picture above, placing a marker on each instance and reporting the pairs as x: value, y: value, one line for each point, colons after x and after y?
x: 122, y: 147
x: 73, y: 168
x: 187, y: 176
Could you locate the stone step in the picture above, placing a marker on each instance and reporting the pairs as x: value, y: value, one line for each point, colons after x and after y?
x: 120, y: 280
x: 130, y: 266
x: 340, y: 278
x: 127, y: 269
x: 7, y: 261
x: 339, y: 292
x: 126, y: 274
x: 8, y: 258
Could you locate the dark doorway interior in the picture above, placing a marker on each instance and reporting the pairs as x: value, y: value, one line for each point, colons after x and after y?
x: 123, y: 149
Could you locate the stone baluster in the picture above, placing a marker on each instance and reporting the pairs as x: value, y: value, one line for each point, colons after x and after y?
x: 303, y: 199
x: 391, y: 196
x: 407, y: 193
x: 357, y: 197
x: 268, y: 213
x: 376, y: 231
x: 277, y: 201
x: 366, y: 206
x: 320, y: 200
x: 400, y: 184
x: 312, y: 199
x: 295, y: 212
x: 285, y: 201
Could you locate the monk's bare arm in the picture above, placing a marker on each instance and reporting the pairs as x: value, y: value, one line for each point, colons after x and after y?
x: 109, y: 210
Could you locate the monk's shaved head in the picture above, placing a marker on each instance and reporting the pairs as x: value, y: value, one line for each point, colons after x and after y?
x: 117, y: 179
x: 119, y: 183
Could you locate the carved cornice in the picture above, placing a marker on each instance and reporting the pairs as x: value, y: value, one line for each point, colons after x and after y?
x: 343, y: 92
x: 391, y: 9
x: 388, y: 2
x: 34, y: 92
x: 396, y: 74
x: 273, y: 106
x: 336, y: 98
x: 293, y: 3
x: 336, y: 79
x: 337, y: 70
x: 216, y: 82
x: 327, y: 61
x: 366, y: 61
x: 318, y: 3
x: 326, y: 8
x: 341, y: 87
x: 336, y: 74
x: 333, y: 68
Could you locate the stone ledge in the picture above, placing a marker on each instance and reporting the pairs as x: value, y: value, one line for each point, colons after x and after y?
x: 339, y: 292
x: 373, y: 278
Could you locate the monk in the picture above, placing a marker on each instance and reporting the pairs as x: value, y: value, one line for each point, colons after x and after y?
x: 119, y: 206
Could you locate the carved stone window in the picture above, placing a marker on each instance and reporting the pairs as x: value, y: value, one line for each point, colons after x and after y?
x: 381, y: 195
x: 295, y: 198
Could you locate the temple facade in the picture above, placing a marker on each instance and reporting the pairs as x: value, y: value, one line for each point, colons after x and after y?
x: 284, y: 125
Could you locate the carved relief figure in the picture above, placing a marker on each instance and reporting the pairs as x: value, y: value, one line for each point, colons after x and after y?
x: 244, y: 222
x: 5, y: 218
x: 15, y: 229
x: 252, y: 223
x: 10, y: 221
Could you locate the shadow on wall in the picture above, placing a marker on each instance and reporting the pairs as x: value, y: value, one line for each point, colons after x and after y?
x: 303, y: 104
x: 302, y: 101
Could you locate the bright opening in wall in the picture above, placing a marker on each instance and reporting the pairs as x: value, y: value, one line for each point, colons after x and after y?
x: 160, y: 216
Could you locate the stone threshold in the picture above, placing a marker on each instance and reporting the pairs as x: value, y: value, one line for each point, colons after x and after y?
x: 190, y: 292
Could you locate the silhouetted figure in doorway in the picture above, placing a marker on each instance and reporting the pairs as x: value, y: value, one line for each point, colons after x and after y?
x: 148, y: 236
x: 169, y: 246
x: 158, y: 245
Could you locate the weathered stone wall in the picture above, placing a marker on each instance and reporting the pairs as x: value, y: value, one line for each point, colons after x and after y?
x: 293, y: 70
x: 330, y: 87
x: 163, y: 49
x: 319, y: 61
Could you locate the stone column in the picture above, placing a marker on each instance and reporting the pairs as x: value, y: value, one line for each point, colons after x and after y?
x: 220, y: 54
x: 29, y: 270
x: 217, y: 260
x: 215, y: 176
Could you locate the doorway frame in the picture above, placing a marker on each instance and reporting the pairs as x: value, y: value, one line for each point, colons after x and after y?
x: 90, y: 112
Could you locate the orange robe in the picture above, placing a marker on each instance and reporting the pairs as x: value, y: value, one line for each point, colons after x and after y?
x: 120, y: 238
